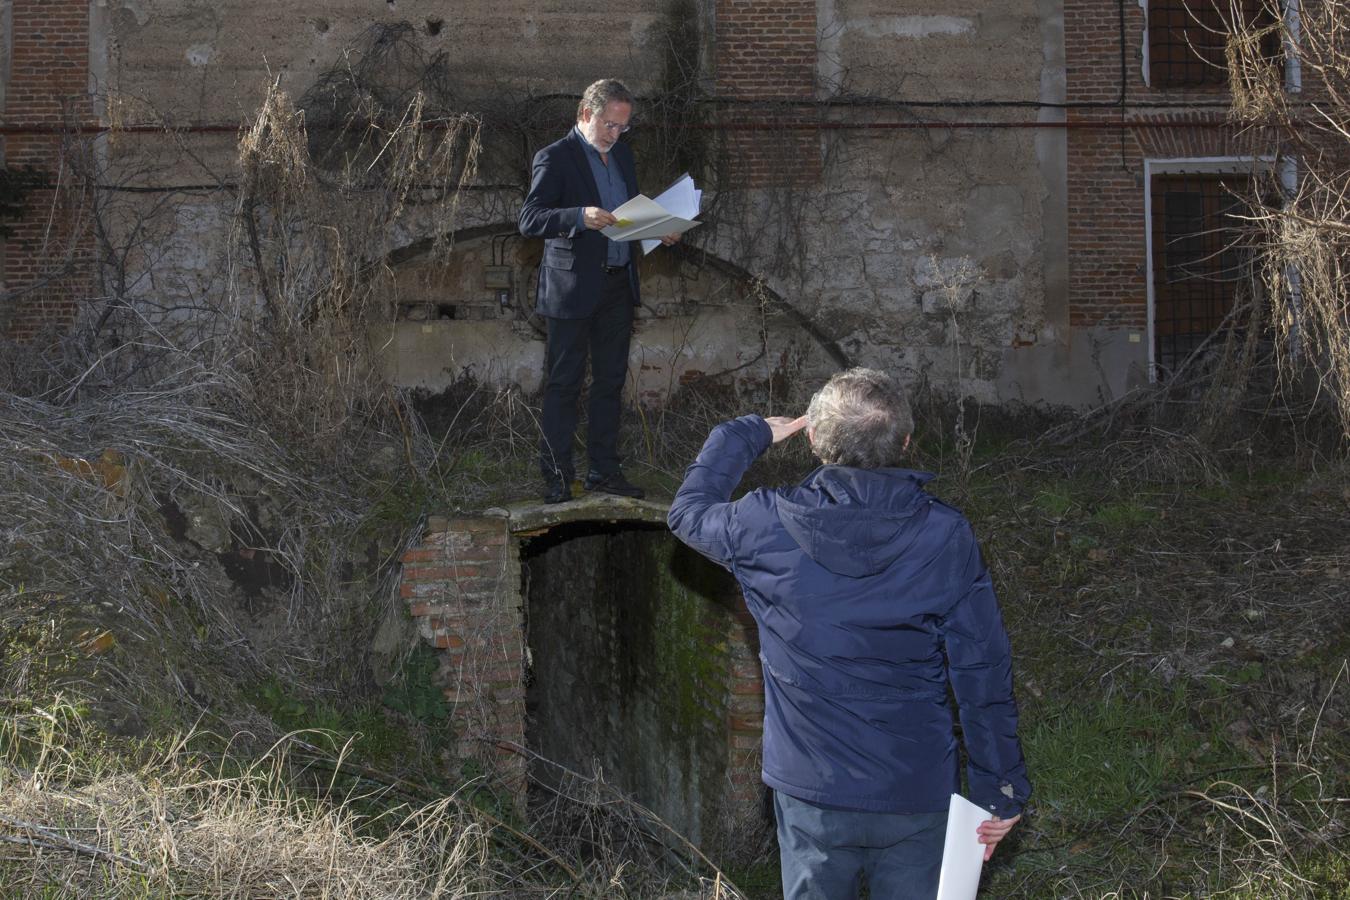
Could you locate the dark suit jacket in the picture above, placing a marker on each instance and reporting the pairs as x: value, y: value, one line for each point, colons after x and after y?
x: 571, y: 274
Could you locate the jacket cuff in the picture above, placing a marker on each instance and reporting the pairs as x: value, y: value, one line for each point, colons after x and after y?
x: 1000, y: 804
x: 761, y: 436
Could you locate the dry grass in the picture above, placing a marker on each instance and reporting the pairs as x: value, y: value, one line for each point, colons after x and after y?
x: 177, y: 826
x: 148, y: 451
x: 1303, y: 225
x: 190, y: 824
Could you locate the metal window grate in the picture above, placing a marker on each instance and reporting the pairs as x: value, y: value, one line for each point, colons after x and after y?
x: 1200, y: 260
x: 1186, y: 39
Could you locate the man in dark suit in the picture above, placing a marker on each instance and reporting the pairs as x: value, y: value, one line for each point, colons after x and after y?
x: 588, y: 287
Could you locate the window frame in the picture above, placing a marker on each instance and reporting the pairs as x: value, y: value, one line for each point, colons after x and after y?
x: 1293, y: 72
x: 1197, y: 165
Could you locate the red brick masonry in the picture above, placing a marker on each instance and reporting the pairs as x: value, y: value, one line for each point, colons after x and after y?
x: 47, y: 87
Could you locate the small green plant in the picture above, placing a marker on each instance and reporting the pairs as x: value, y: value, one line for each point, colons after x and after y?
x: 1054, y: 504
x: 1249, y: 674
x: 285, y: 707
x: 366, y: 728
x: 414, y: 691
x: 1125, y: 514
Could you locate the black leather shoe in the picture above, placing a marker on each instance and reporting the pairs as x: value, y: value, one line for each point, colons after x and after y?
x: 613, y: 484
x: 557, y: 489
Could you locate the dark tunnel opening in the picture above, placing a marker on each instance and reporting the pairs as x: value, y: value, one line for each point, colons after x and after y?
x: 631, y: 635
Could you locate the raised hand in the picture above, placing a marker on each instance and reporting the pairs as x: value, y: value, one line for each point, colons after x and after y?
x: 784, y: 427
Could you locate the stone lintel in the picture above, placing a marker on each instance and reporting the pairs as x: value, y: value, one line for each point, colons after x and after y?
x: 527, y: 519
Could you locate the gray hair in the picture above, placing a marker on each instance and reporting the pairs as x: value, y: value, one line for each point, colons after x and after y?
x: 602, y: 93
x: 860, y: 418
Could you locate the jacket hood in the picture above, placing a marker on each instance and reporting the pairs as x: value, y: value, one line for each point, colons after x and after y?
x: 854, y: 522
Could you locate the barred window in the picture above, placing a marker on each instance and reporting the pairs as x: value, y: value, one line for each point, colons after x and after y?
x: 1187, y: 38
x: 1200, y: 260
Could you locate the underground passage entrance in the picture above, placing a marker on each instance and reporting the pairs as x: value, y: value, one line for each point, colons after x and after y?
x: 633, y: 641
x: 588, y: 635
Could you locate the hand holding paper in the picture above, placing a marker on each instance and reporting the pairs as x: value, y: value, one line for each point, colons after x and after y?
x: 993, y: 831
x: 962, y: 854
x: 647, y: 220
x: 596, y: 218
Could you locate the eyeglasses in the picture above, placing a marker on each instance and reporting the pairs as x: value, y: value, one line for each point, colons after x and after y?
x: 614, y: 126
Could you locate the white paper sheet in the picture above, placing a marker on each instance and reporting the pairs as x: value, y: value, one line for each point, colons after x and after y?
x: 962, y: 853
x: 672, y: 212
x: 681, y: 198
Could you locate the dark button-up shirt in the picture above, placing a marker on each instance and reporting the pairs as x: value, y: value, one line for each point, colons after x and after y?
x: 613, y: 194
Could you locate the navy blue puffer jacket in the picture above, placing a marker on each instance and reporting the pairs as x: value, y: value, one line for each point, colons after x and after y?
x: 870, y: 596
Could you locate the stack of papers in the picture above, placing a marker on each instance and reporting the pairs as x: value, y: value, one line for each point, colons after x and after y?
x: 647, y: 220
x: 963, y: 854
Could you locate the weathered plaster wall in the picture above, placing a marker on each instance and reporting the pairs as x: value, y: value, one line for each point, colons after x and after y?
x: 190, y: 63
x: 926, y: 51
x: 452, y: 325
x: 210, y: 60
x: 924, y: 254
x: 937, y: 252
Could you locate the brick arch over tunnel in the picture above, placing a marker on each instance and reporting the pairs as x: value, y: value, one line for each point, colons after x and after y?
x: 470, y: 312
x: 588, y: 635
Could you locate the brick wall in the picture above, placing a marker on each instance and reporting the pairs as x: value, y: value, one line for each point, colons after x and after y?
x: 765, y: 58
x: 47, y: 90
x: 462, y: 586
x: 745, y: 714
x: 1106, y: 153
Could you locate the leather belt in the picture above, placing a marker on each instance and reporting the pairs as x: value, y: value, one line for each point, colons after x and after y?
x: 615, y: 270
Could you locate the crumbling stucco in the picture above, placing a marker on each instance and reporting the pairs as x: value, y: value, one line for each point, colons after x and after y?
x: 868, y: 245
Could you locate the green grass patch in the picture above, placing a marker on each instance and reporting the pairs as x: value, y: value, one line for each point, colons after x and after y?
x: 1124, y: 514
x: 369, y: 729
x: 761, y: 881
x: 1054, y: 504
x: 414, y: 691
x: 1103, y: 758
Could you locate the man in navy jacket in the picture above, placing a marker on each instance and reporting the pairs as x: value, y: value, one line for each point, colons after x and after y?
x: 870, y: 597
x: 588, y: 287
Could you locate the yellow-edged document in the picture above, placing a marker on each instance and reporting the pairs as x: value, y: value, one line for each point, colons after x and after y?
x: 962, y: 853
x: 647, y: 220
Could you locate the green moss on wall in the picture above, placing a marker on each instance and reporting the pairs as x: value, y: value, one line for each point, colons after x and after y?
x: 687, y: 631
x: 628, y: 631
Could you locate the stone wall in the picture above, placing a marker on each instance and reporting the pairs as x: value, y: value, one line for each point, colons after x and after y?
x: 842, y: 217
x: 951, y: 193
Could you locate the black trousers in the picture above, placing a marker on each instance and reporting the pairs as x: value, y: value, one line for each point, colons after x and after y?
x: 604, y: 337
